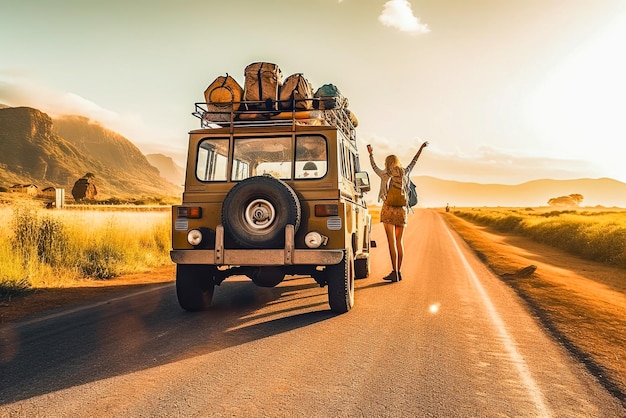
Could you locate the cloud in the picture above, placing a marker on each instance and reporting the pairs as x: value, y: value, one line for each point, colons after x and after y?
x: 19, y: 89
x: 398, y: 14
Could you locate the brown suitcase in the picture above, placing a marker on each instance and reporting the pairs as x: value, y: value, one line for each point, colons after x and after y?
x: 262, y: 82
x: 296, y: 90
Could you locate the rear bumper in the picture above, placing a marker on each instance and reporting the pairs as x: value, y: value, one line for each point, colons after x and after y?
x: 257, y: 257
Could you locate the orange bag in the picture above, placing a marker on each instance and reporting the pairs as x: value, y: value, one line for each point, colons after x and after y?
x: 222, y: 98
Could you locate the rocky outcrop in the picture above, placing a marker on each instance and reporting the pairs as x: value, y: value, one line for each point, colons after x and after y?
x: 84, y: 189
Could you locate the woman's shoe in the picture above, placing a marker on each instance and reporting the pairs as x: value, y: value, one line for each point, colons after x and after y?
x: 392, y: 277
x: 399, y: 276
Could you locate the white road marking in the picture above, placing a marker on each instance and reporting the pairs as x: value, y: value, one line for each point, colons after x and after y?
x: 509, y: 344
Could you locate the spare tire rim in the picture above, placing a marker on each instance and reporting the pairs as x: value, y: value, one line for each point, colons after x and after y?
x: 259, y: 214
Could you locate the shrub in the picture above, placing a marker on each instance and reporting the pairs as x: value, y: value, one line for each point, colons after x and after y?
x: 25, y: 232
x: 100, y: 262
x: 43, y: 239
x: 10, y: 288
x: 52, y: 244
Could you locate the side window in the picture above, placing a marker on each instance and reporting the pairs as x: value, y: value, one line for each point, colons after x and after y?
x: 348, y: 163
x: 311, y: 157
x: 352, y: 166
x: 342, y: 161
x: 212, y: 160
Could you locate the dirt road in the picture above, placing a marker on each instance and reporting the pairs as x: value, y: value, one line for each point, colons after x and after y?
x: 449, y: 340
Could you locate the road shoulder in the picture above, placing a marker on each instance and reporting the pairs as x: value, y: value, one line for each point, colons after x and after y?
x: 83, y: 292
x: 582, y: 304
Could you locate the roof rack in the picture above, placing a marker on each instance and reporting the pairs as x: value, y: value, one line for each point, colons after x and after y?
x: 275, y: 113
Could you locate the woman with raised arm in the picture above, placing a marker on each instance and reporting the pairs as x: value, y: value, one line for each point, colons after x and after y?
x: 394, y: 211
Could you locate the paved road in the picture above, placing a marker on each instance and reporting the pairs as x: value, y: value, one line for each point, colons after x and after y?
x: 450, y: 340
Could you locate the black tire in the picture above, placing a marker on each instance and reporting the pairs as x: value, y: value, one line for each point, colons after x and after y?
x: 256, y: 211
x: 362, y: 268
x: 194, y: 286
x: 340, y: 280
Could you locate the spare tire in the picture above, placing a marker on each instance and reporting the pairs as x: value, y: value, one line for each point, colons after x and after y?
x: 256, y: 211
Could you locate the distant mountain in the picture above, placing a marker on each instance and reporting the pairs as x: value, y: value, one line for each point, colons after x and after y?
x: 436, y: 192
x: 36, y: 149
x: 167, y: 168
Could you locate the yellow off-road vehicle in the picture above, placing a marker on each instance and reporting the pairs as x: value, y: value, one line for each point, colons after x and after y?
x: 271, y: 193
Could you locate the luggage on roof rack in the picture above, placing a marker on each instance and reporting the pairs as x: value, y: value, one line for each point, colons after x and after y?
x: 296, y: 93
x: 329, y: 97
x: 266, y: 100
x: 262, y: 83
x: 223, y: 97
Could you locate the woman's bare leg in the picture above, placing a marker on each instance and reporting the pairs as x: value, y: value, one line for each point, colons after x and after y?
x: 391, y: 240
x: 399, y: 234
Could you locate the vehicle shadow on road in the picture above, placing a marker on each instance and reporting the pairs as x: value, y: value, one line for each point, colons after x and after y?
x: 132, y: 334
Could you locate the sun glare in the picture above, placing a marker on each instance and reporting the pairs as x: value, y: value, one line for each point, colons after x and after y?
x: 579, y: 107
x: 434, y: 308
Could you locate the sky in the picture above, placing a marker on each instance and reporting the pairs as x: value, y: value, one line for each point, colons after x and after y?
x: 504, y: 91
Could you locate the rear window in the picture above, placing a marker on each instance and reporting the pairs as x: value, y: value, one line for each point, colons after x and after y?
x: 278, y: 156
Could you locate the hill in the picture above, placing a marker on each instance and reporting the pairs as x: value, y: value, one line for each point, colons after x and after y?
x: 436, y: 192
x: 39, y: 150
x: 167, y: 168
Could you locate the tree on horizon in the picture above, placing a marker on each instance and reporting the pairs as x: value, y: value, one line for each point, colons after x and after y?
x: 574, y: 199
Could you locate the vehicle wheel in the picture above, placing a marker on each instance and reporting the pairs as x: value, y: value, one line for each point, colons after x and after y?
x: 340, y: 280
x: 362, y: 268
x: 256, y: 211
x: 194, y: 286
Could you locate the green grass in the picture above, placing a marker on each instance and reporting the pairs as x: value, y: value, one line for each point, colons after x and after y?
x: 52, y: 248
x: 593, y: 235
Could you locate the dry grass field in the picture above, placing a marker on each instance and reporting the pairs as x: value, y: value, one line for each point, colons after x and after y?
x: 42, y: 248
x: 596, y: 235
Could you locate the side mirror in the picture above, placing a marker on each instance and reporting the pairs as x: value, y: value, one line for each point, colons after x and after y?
x: 362, y: 181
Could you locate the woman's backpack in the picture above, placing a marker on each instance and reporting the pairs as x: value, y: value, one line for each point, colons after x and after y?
x: 412, y: 193
x: 396, y: 196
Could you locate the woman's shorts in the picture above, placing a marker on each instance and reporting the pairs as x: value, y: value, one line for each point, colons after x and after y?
x: 394, y: 215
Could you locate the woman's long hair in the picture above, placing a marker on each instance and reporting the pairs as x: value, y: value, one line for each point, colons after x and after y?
x: 391, y: 162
